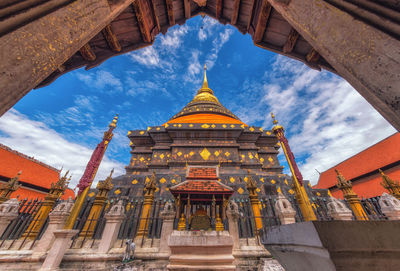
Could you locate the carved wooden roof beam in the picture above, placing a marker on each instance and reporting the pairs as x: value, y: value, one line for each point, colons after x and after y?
x: 218, y: 9
x: 188, y: 11
x: 111, y: 39
x: 250, y: 15
x: 170, y: 11
x: 87, y: 53
x: 262, y: 21
x: 143, y: 26
x: 235, y: 12
x: 312, y: 59
x: 153, y: 6
x: 291, y: 41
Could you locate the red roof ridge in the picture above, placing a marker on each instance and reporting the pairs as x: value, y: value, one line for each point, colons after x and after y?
x: 28, y: 157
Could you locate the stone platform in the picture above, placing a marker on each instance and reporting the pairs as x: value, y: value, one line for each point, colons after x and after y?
x: 336, y: 245
x: 201, y: 250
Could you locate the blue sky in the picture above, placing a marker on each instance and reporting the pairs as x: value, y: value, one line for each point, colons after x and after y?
x: 326, y: 120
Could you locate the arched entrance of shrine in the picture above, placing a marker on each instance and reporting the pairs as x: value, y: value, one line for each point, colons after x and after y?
x: 357, y: 40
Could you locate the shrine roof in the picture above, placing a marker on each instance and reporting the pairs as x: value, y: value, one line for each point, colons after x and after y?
x: 202, y: 173
x: 201, y: 186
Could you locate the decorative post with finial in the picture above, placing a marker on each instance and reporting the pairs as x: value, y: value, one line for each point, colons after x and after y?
x: 8, y: 188
x: 99, y: 202
x: 393, y: 187
x: 252, y: 188
x: 149, y: 191
x: 90, y: 172
x: 355, y: 204
x: 56, y: 191
x: 300, y: 192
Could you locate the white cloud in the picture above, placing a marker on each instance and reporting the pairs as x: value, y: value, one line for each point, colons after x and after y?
x: 327, y: 120
x: 194, y: 68
x: 34, y: 138
x: 218, y: 42
x: 147, y: 56
x: 173, y: 39
x: 100, y: 80
x: 206, y: 30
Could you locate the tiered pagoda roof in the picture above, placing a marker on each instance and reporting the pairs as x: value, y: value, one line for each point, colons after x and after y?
x: 205, y: 108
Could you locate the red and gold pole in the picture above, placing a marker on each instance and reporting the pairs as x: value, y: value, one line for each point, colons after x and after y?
x: 300, y: 192
x: 90, y: 173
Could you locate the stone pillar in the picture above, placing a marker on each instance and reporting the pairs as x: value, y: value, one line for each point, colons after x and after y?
x: 57, y: 251
x: 114, y: 219
x: 362, y: 54
x: 284, y: 209
x: 8, y: 212
x: 57, y: 220
x: 390, y: 206
x: 168, y: 216
x: 32, y: 52
x: 232, y: 212
x: 338, y: 210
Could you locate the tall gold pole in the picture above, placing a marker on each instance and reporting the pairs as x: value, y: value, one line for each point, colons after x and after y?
x: 252, y: 187
x: 300, y: 192
x: 98, y: 204
x: 149, y: 191
x: 56, y: 191
x: 351, y: 197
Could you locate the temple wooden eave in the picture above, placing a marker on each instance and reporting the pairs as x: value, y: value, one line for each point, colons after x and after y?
x: 138, y: 26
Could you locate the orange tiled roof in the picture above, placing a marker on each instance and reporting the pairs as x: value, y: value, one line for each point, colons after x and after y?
x: 33, y: 172
x: 202, y: 173
x: 201, y: 186
x: 206, y: 118
x: 381, y: 154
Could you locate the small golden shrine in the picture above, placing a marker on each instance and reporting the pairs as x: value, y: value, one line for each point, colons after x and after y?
x: 201, y: 200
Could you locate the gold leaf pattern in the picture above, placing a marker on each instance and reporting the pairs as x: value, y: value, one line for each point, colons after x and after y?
x: 134, y: 181
x: 232, y: 180
x: 91, y: 194
x: 216, y: 153
x: 227, y: 154
x: 240, y: 190
x: 291, y: 191
x: 262, y: 179
x: 273, y: 181
x: 270, y: 159
x: 162, y: 156
x: 117, y: 192
x: 179, y: 153
x: 163, y: 180
x: 205, y: 154
x: 205, y: 126
x: 251, y: 129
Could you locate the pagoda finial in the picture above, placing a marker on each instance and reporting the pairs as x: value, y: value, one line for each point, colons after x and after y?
x: 275, y: 122
x: 205, y: 83
x: 114, y: 122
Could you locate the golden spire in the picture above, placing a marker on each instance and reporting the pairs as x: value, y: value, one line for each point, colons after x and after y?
x: 205, y: 83
x: 392, y: 186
